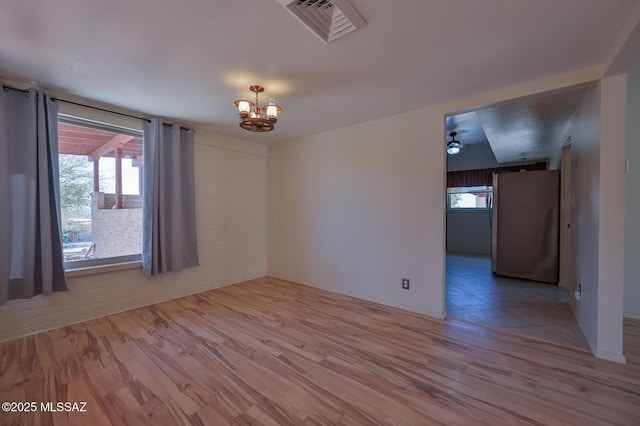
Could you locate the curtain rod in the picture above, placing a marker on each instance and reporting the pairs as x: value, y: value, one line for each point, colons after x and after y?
x: 116, y: 112
x: 101, y: 109
x: 7, y: 88
x: 27, y: 92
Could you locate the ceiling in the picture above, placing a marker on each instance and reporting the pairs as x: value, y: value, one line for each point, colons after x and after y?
x: 74, y: 139
x: 189, y: 60
x: 527, y: 129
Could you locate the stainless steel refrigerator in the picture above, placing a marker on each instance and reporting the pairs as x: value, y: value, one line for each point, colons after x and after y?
x: 525, y: 225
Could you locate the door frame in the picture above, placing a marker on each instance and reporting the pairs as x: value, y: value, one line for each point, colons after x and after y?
x: 567, y: 272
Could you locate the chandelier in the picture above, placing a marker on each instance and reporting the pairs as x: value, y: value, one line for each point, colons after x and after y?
x: 254, y: 118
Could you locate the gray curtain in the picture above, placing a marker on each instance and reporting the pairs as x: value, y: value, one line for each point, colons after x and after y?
x: 31, y: 260
x: 168, y: 210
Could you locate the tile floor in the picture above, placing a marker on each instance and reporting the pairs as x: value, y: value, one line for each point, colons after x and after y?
x: 524, y: 307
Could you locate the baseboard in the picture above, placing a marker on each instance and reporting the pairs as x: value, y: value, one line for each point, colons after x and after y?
x: 610, y: 356
x: 632, y: 315
x: 405, y: 307
x: 417, y: 310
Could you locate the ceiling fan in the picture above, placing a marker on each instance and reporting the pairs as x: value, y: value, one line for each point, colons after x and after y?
x: 453, y: 146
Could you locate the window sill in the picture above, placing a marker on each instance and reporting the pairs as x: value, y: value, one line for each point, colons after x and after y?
x: 479, y: 209
x: 100, y: 269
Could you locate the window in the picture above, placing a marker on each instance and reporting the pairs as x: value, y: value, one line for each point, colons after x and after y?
x: 100, y: 192
x: 471, y: 197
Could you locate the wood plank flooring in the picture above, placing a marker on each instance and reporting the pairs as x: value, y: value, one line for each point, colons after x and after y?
x: 276, y: 353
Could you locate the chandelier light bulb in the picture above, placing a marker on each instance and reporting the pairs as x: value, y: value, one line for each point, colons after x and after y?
x: 272, y: 109
x: 244, y: 106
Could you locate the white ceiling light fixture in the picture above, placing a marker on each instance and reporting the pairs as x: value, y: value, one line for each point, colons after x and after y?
x: 328, y: 19
x: 254, y: 118
x: 453, y: 146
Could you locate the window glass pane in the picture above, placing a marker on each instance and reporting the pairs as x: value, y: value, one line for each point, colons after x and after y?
x: 130, y: 177
x: 108, y: 175
x: 100, y: 193
x: 76, y: 176
x: 478, y: 197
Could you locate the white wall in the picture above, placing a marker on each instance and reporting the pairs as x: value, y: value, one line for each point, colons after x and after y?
x: 469, y: 231
x: 585, y: 171
x: 357, y: 209
x: 613, y: 129
x: 231, y: 216
x: 632, y: 191
x: 597, y: 133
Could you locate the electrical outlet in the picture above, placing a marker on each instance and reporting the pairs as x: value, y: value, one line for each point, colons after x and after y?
x: 405, y: 283
x: 578, y: 293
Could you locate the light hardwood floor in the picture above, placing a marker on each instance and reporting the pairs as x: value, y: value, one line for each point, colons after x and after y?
x: 276, y: 353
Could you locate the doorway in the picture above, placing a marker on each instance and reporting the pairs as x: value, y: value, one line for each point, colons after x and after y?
x: 473, y: 292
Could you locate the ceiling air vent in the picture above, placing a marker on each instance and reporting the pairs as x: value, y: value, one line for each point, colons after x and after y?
x: 328, y: 19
